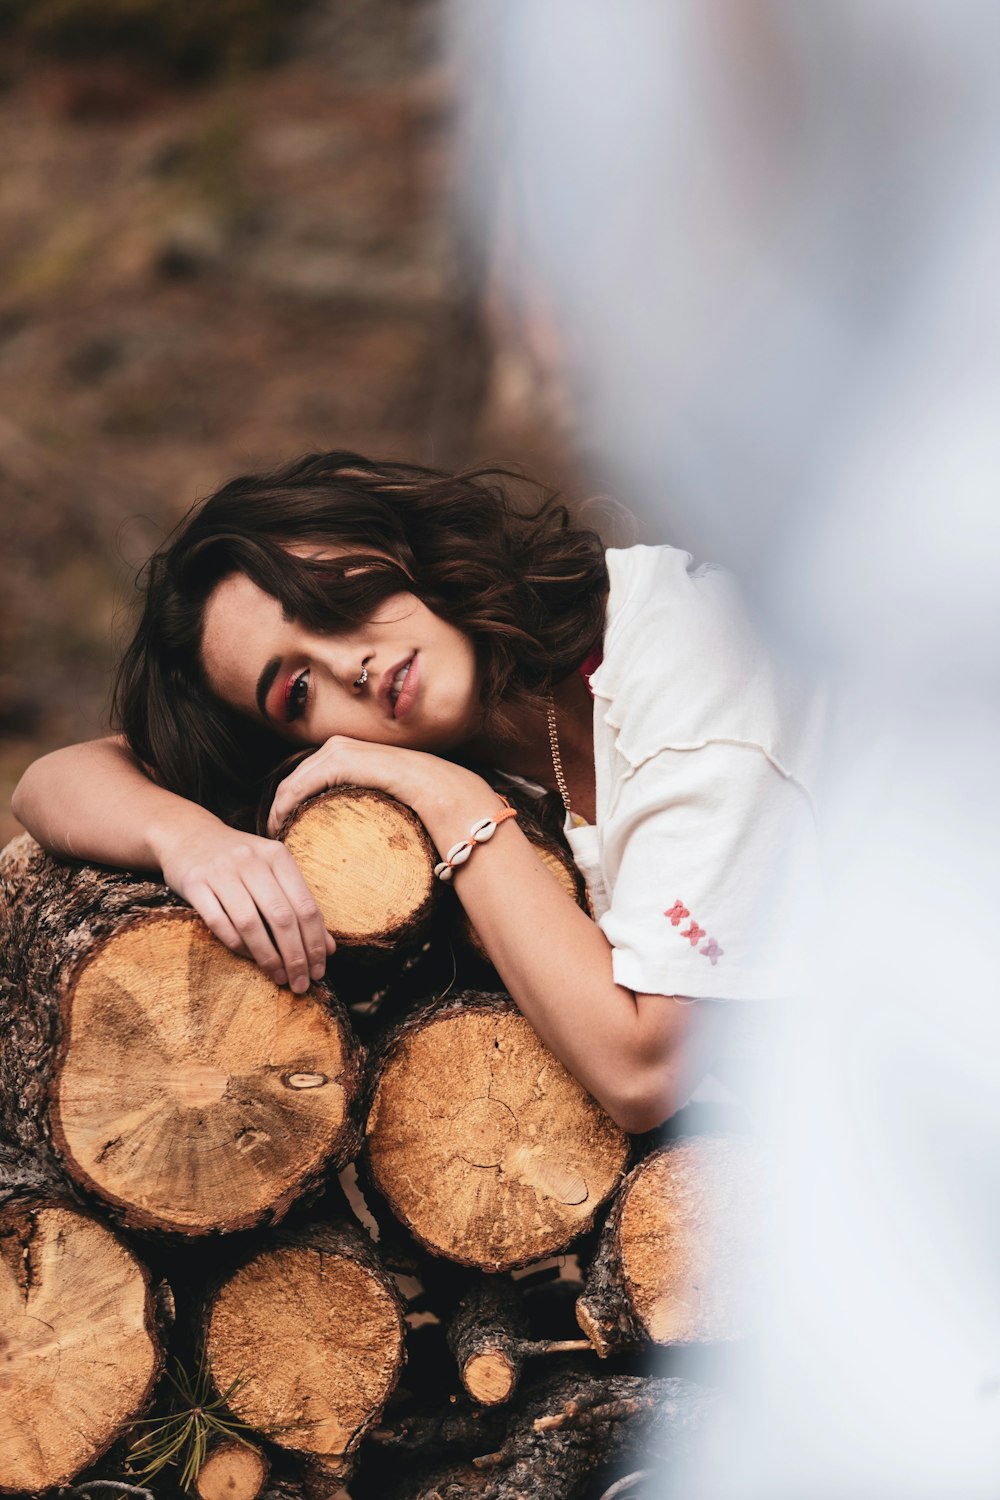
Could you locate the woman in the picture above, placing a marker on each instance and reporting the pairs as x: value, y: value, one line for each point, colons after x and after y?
x: 401, y: 625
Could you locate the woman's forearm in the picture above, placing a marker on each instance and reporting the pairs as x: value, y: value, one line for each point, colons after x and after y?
x: 94, y: 801
x: 639, y: 1055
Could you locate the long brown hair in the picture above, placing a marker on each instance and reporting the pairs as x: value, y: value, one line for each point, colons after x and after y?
x: 527, y: 587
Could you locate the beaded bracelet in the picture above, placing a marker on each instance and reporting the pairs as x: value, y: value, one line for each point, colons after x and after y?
x: 479, y: 833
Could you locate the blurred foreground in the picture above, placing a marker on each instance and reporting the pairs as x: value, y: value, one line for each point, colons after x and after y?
x: 766, y: 235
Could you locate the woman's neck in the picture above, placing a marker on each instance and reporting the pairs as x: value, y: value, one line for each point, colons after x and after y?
x: 524, y: 748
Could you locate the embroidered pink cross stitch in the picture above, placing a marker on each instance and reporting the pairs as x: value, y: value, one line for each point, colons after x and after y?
x: 694, y: 933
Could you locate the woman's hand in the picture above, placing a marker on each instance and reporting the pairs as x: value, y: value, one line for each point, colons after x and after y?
x: 251, y: 894
x: 425, y: 782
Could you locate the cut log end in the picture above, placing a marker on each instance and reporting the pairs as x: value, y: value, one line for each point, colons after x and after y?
x: 593, y: 1328
x: 314, y: 1333
x: 678, y: 1256
x: 687, y: 1236
x: 370, y: 864
x: 232, y: 1471
x: 483, y: 1144
x: 79, y: 1351
x: 490, y: 1377
x: 193, y: 1092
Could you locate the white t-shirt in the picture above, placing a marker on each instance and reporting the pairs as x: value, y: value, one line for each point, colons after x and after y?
x: 703, y: 864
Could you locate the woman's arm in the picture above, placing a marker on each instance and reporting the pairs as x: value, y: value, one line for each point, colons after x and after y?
x: 95, y: 801
x: 640, y: 1055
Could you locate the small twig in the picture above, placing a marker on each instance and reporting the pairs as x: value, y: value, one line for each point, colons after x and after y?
x: 489, y: 1460
x: 454, y: 970
x: 555, y: 1346
x: 621, y: 1486
x: 589, y: 1414
x: 556, y: 1419
x: 116, y: 1485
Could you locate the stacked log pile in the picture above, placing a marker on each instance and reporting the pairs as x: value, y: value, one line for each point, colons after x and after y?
x: 182, y: 1272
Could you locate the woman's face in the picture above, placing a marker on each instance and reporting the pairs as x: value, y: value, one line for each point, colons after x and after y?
x: 421, y: 692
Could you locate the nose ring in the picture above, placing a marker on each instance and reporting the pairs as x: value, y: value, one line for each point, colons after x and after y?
x: 360, y: 681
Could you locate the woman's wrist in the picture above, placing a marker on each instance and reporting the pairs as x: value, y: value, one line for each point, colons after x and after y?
x: 176, y: 825
x: 448, y: 804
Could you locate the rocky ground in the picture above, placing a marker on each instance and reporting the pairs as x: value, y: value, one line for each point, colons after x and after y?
x: 197, y: 280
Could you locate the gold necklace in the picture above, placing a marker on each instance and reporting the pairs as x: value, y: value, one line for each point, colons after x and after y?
x: 550, y: 709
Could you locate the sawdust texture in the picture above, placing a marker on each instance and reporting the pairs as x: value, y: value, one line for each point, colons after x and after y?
x: 232, y: 1471
x: 316, y: 1338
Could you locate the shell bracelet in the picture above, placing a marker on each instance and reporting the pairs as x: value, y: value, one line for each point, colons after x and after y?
x: 480, y: 833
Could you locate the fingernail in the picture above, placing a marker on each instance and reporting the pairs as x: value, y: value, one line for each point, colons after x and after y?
x: 300, y: 985
x: 319, y: 971
x: 281, y: 977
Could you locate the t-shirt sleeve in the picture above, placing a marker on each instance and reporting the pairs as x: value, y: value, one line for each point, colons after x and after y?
x: 712, y: 859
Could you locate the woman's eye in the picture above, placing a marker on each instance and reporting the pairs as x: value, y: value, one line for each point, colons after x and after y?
x: 296, y: 696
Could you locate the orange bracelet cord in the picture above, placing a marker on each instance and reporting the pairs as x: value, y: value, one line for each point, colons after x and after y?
x: 479, y: 833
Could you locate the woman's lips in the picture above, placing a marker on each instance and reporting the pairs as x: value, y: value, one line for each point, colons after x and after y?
x: 401, y: 705
x: 408, y: 691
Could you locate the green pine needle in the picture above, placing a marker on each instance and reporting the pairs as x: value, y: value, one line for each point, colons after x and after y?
x: 181, y: 1436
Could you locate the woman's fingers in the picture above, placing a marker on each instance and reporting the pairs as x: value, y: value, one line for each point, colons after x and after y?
x: 329, y: 766
x: 243, y: 906
x: 303, y: 782
x: 208, y: 907
x: 288, y: 797
x: 286, y: 936
x: 252, y: 896
x: 287, y: 906
x: 315, y: 939
x: 341, y: 761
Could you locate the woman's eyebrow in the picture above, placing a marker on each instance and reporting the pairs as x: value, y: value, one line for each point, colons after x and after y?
x: 264, y: 682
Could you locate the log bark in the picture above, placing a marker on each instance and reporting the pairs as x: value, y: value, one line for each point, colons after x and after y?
x: 80, y: 1342
x: 370, y: 864
x: 485, y: 1337
x: 312, y: 1328
x: 232, y: 1471
x: 153, y: 1067
x: 566, y: 1429
x: 676, y: 1258
x: 481, y: 1142
x: 51, y: 914
x: 23, y: 1174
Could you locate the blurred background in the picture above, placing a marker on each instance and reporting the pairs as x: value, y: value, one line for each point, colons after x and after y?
x: 227, y: 237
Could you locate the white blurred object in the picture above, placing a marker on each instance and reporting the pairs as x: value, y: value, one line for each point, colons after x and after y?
x: 768, y: 235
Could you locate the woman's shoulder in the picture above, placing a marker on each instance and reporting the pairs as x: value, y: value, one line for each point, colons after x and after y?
x: 685, y: 665
x: 663, y: 577
x: 669, y: 618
